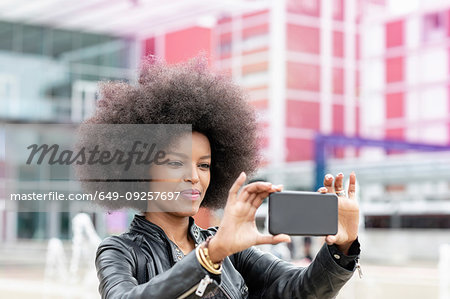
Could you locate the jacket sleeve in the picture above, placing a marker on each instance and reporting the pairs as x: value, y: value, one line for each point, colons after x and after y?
x: 116, y: 269
x: 270, y: 277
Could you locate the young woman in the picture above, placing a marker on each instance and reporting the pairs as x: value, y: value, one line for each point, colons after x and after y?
x: 165, y: 254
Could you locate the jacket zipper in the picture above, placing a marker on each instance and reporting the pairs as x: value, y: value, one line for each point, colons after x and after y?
x: 223, y: 290
x: 199, y: 288
x: 358, y: 267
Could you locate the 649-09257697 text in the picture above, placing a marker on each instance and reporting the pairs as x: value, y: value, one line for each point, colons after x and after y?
x: 56, y: 196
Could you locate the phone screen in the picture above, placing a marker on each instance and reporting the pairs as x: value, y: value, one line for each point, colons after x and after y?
x: 303, y: 213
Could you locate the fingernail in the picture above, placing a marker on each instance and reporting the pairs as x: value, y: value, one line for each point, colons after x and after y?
x: 340, y: 174
x: 328, y: 176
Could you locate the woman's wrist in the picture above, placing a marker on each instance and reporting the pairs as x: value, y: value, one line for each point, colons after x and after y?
x: 217, y: 252
x: 202, y: 254
x: 344, y: 248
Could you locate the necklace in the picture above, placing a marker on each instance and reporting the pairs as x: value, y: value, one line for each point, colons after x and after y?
x: 178, y: 252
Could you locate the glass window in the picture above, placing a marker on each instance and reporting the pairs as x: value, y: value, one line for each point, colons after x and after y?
x: 434, y: 26
x: 31, y: 225
x: 33, y: 40
x: 6, y: 36
x: 61, y: 42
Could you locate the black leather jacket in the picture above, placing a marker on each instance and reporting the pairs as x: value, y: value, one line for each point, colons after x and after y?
x: 250, y: 273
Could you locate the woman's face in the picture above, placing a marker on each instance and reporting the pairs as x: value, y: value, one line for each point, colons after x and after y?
x: 184, y: 178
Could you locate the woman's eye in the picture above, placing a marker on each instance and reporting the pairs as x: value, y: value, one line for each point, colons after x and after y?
x: 205, y: 165
x: 175, y: 163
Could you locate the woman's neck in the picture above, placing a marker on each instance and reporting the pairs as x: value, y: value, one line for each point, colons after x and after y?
x: 176, y: 228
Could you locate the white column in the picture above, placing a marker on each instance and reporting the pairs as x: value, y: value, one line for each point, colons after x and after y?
x: 11, y: 226
x: 444, y: 271
x: 160, y: 44
x: 349, y: 71
x: 2, y: 220
x: 277, y: 82
x: 326, y: 42
x: 137, y: 47
x: 236, y: 48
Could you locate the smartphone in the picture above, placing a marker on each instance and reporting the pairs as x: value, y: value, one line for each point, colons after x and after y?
x: 300, y: 213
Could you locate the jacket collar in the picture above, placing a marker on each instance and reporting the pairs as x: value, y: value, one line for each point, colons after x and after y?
x: 142, y: 225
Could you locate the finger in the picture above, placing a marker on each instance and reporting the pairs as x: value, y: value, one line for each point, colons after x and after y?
x: 328, y: 183
x: 339, y: 182
x: 277, y: 188
x: 352, y: 186
x: 237, y: 185
x: 322, y: 190
x: 330, y: 239
x: 259, y: 199
x: 269, y: 239
x: 247, y: 192
x: 257, y: 187
x: 252, y: 197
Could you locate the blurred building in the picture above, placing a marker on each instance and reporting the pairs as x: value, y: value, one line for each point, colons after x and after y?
x: 405, y: 96
x: 365, y: 69
x: 374, y: 69
x: 299, y: 61
x: 49, y: 75
x: 52, y: 56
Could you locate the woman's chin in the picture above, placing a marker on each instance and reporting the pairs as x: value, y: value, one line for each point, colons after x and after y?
x: 188, y: 212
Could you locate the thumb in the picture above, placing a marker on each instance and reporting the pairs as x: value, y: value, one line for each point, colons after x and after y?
x: 270, y: 239
x: 330, y: 240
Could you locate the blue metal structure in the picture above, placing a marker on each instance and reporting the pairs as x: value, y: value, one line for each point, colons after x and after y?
x: 323, y: 142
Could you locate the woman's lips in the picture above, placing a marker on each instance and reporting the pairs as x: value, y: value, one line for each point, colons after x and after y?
x: 191, y: 194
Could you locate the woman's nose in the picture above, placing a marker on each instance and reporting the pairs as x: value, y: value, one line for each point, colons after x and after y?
x: 192, y: 175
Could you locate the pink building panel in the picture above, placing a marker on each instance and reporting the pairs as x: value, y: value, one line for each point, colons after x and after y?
x: 338, y: 44
x: 303, y: 76
x: 338, y: 119
x: 395, y: 105
x: 255, y: 13
x: 338, y: 10
x: 338, y: 80
x: 299, y: 149
x: 303, y: 114
x: 149, y: 47
x: 394, y: 70
x: 395, y: 134
x: 303, y: 39
x: 187, y: 43
x: 394, y: 34
x: 255, y: 30
x: 304, y: 7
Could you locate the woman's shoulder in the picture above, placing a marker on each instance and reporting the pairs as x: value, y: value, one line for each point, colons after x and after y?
x: 122, y: 241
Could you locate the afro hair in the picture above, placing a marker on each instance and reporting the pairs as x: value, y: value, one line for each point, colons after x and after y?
x: 188, y: 93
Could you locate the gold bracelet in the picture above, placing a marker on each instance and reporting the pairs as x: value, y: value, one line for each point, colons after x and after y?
x: 208, y: 259
x: 202, y: 260
x: 206, y: 251
x: 197, y: 254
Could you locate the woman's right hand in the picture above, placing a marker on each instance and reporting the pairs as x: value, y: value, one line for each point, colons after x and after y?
x: 237, y: 230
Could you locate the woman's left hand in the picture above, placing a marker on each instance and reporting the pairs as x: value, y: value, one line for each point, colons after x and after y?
x: 348, y: 207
